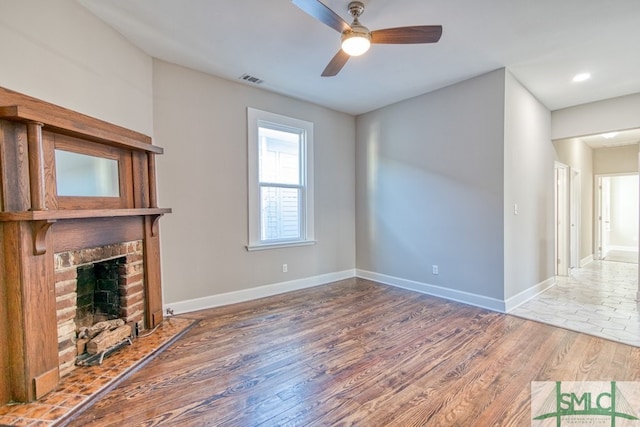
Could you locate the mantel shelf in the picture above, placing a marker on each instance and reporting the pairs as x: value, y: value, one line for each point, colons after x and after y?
x: 60, y: 214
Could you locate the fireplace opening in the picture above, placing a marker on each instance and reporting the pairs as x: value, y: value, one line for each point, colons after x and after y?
x: 98, y: 295
x: 100, y: 301
x: 100, y: 327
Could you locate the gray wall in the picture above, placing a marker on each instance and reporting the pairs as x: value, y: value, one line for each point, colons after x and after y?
x: 201, y: 122
x: 430, y: 187
x: 528, y: 183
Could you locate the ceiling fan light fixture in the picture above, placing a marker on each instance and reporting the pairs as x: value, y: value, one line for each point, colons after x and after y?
x: 356, y: 41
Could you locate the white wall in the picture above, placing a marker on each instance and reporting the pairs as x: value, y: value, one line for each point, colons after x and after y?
x: 430, y: 190
x: 201, y: 122
x: 59, y: 52
x: 578, y: 155
x: 624, y: 211
x: 615, y: 160
x: 528, y: 183
x: 613, y: 114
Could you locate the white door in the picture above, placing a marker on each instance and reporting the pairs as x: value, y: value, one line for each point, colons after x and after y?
x: 604, y: 216
x: 562, y: 219
x: 575, y: 208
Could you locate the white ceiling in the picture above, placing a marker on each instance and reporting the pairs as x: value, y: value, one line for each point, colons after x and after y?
x: 612, y: 139
x: 543, y: 42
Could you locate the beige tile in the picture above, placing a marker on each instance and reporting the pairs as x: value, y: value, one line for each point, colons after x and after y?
x: 598, y: 299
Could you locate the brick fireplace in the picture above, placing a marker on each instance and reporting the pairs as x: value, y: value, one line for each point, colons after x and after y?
x: 46, y: 233
x: 128, y: 262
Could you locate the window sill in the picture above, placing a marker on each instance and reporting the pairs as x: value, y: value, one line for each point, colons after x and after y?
x: 264, y: 246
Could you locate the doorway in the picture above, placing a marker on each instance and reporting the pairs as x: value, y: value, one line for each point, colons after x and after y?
x: 618, y: 217
x: 568, y: 203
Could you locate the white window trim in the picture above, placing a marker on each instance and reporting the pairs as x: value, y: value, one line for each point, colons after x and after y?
x: 254, y: 117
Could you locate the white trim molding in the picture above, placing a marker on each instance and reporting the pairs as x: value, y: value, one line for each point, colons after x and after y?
x: 482, y: 301
x: 493, y: 304
x: 227, y: 298
x: 524, y: 296
x: 586, y: 260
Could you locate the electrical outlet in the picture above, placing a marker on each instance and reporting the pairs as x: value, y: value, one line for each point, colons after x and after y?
x: 285, y: 268
x: 434, y: 269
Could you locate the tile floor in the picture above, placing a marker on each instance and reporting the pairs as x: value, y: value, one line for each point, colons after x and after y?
x: 622, y: 256
x: 81, y: 385
x: 598, y: 299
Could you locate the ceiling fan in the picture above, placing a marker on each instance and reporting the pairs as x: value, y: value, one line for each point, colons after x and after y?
x: 357, y: 38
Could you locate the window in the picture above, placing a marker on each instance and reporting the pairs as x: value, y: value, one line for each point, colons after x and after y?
x: 280, y: 152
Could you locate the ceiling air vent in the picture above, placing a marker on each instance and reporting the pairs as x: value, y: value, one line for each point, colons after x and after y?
x: 250, y: 79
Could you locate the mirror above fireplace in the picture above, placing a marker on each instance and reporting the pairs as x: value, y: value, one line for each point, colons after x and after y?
x: 85, y: 175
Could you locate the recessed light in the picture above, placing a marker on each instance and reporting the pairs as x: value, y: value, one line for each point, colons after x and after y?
x: 581, y: 77
x: 609, y: 135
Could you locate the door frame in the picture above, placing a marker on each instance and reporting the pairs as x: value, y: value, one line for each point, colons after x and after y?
x: 561, y: 183
x: 575, y: 208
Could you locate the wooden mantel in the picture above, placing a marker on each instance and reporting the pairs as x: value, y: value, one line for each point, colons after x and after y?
x: 35, y: 223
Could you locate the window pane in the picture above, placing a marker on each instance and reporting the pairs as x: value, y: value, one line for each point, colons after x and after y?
x: 280, y: 213
x: 84, y: 175
x: 279, y: 156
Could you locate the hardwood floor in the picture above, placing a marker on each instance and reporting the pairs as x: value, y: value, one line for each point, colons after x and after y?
x: 356, y: 353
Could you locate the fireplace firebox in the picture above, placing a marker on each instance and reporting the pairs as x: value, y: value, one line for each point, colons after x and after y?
x: 74, y: 190
x: 95, y: 285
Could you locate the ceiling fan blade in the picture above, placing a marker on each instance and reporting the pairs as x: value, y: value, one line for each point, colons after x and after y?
x: 407, y: 35
x: 323, y: 14
x: 336, y: 64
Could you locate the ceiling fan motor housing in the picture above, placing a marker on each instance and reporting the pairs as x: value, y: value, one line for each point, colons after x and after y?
x: 356, y: 8
x: 357, y: 30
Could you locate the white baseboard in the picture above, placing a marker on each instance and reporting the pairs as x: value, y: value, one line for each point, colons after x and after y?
x: 494, y: 304
x: 622, y: 248
x: 527, y: 294
x: 438, y: 291
x: 586, y: 260
x: 211, y: 301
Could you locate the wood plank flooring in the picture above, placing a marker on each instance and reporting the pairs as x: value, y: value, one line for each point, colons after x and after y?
x: 356, y: 353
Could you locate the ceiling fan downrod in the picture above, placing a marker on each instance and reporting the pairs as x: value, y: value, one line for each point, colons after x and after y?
x: 356, y: 8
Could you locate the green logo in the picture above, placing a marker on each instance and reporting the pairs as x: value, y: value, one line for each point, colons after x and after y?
x: 581, y: 403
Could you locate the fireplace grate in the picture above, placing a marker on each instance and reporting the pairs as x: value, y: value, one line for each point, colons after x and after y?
x: 87, y: 359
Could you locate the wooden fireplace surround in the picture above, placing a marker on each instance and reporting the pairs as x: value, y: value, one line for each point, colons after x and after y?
x: 35, y: 223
